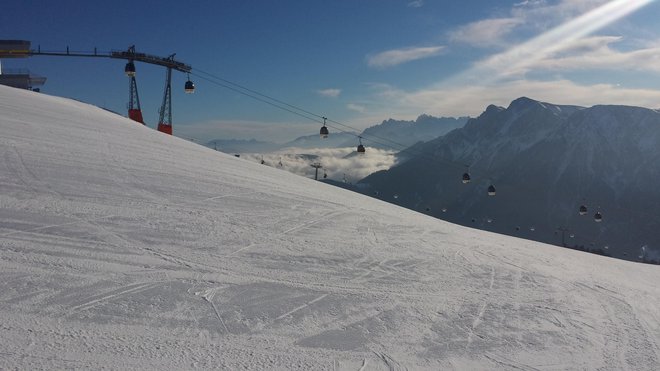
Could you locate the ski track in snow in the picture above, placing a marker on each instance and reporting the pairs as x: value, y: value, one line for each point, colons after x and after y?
x: 208, y: 296
x: 481, y: 312
x: 294, y: 310
x: 124, y: 248
x: 300, y: 226
x: 130, y: 289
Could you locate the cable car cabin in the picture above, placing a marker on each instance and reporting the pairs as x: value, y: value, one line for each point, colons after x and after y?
x: 491, y: 190
x: 598, y: 217
x: 190, y: 87
x: 324, y: 132
x: 360, y: 148
x: 583, y: 210
x: 466, y: 178
x: 130, y: 69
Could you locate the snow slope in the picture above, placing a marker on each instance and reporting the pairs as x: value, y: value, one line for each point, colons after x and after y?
x: 124, y: 248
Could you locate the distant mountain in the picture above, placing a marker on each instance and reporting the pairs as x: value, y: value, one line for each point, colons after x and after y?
x: 242, y: 146
x: 407, y: 133
x: 390, y: 134
x: 545, y: 161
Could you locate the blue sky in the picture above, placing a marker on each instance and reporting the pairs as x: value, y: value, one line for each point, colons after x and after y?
x: 356, y: 62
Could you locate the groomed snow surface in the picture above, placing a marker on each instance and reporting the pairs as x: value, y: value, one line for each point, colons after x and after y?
x: 125, y: 248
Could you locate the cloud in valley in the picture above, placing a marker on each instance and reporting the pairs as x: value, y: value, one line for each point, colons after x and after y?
x: 338, y: 163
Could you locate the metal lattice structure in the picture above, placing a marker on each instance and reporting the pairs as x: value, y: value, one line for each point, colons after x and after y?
x: 21, y: 49
x: 165, y: 117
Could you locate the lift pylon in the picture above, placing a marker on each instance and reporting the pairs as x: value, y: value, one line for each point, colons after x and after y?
x: 165, y: 117
x: 134, y: 110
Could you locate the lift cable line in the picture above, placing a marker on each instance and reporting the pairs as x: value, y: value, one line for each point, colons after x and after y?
x: 277, y: 103
x: 467, y: 177
x: 256, y: 96
x: 165, y: 111
x: 287, y: 107
x: 392, y: 144
x: 217, y: 80
x: 165, y: 115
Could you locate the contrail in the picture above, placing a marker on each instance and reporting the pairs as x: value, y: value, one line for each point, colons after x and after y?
x: 526, y: 54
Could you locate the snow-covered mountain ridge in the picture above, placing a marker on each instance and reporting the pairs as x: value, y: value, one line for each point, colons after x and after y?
x: 390, y: 134
x: 407, y: 133
x: 545, y: 161
x: 125, y: 248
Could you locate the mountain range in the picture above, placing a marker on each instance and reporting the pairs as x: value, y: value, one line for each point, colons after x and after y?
x: 402, y: 133
x: 389, y: 134
x: 544, y: 161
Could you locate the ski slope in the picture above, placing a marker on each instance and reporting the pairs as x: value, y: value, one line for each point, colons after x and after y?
x: 124, y: 248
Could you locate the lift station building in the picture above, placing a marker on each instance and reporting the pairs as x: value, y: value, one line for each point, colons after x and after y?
x: 18, y: 78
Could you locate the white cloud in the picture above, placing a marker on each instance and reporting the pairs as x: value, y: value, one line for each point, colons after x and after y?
x: 543, y: 13
x: 337, y: 163
x: 526, y: 56
x: 529, y: 3
x: 416, y: 4
x: 505, y: 76
x: 330, y: 93
x: 524, y: 16
x: 396, y: 57
x: 487, y: 32
x: 459, y: 100
x: 595, y: 53
x: 356, y: 107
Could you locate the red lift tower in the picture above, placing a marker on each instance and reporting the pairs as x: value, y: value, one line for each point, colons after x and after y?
x: 21, y: 48
x: 165, y: 113
x: 134, y: 110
